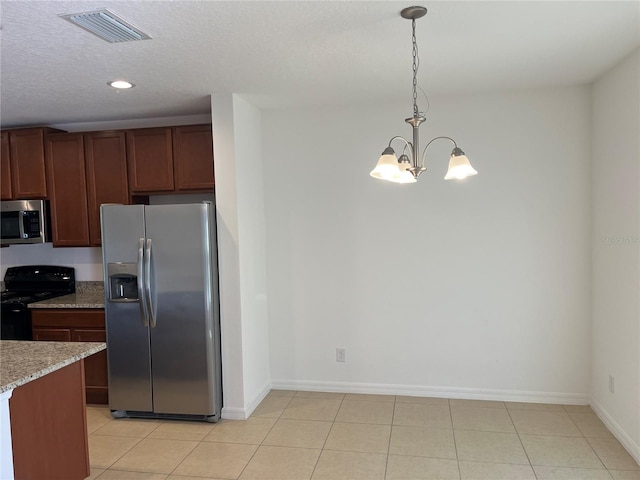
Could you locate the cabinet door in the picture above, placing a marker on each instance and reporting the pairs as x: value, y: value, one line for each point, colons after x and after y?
x: 27, y: 163
x: 49, y: 427
x: 150, y: 160
x: 67, y: 190
x: 95, y: 366
x: 52, y: 334
x: 106, y: 162
x: 193, y: 157
x: 77, y: 325
x: 5, y: 169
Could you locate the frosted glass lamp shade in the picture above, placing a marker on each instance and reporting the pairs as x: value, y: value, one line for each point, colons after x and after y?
x: 459, y: 166
x: 404, y: 175
x: 387, y: 166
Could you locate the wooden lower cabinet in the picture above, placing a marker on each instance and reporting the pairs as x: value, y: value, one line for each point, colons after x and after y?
x: 49, y: 427
x: 77, y: 325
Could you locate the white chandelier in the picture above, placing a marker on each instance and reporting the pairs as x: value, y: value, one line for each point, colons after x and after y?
x: 408, y: 168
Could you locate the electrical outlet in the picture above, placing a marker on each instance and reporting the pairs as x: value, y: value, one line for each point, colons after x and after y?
x: 612, y: 384
x: 340, y: 355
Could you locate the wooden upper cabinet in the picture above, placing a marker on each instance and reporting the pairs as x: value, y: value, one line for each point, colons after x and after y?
x: 28, y: 172
x: 193, y: 157
x: 106, y: 162
x: 67, y: 190
x: 150, y: 160
x: 5, y: 169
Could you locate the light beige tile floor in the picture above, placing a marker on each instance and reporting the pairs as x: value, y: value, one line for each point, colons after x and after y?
x: 335, y: 436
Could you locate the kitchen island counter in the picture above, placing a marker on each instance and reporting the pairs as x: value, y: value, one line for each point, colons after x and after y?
x: 42, y: 401
x: 22, y: 362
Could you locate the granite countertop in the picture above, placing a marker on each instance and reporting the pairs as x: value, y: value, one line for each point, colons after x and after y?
x: 74, y: 300
x: 22, y: 362
x: 88, y: 295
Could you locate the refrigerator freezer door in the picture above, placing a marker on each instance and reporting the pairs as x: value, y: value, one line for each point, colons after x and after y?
x: 128, y: 349
x: 182, y: 259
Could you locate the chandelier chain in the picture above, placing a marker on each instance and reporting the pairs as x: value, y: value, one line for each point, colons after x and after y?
x: 415, y: 66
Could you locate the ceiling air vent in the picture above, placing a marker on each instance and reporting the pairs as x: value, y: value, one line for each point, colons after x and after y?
x: 106, y: 25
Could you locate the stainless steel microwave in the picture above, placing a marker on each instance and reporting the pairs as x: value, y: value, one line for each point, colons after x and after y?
x: 24, y: 221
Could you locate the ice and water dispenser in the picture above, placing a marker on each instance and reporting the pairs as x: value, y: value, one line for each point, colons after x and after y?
x: 123, y: 282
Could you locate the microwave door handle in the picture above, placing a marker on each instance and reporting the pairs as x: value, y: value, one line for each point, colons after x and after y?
x: 141, y: 292
x: 21, y: 224
x: 152, y: 316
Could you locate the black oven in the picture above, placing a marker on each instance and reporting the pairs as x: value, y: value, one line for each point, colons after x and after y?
x: 25, y: 285
x: 23, y: 221
x: 16, y: 322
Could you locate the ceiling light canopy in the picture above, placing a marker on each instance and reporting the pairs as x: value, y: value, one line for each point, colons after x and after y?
x: 410, y: 165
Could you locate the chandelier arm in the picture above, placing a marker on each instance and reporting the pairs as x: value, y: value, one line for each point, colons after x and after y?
x: 424, y: 152
x: 407, y: 144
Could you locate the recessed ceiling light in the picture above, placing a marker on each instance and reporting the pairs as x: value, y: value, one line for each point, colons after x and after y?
x: 121, y: 84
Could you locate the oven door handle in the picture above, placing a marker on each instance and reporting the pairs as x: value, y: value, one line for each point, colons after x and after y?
x: 141, y: 291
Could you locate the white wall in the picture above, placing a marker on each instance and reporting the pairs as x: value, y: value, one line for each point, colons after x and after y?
x: 241, y: 255
x: 616, y: 249
x: 86, y: 261
x: 479, y: 288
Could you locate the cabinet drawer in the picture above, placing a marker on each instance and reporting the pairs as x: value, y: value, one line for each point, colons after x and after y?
x: 82, y: 335
x: 68, y: 318
x: 52, y: 334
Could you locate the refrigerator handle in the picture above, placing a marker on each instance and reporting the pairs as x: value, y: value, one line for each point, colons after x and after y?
x: 147, y: 278
x: 141, y: 293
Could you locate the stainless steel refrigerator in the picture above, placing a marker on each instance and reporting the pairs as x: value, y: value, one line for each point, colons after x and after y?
x: 162, y: 310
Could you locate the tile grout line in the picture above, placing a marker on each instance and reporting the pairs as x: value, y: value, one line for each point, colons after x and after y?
x: 586, y: 439
x: 159, y: 423
x: 453, y: 434
x: 333, y: 422
x: 393, y: 416
x: 119, y: 457
x: 260, y: 444
x: 535, y: 475
x: 588, y: 442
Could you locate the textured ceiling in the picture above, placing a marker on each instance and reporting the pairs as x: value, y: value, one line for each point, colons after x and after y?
x: 297, y: 53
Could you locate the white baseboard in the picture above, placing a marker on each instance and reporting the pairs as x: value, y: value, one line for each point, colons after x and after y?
x: 443, y: 392
x: 235, y: 413
x: 251, y: 406
x: 232, y: 413
x: 618, y: 432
